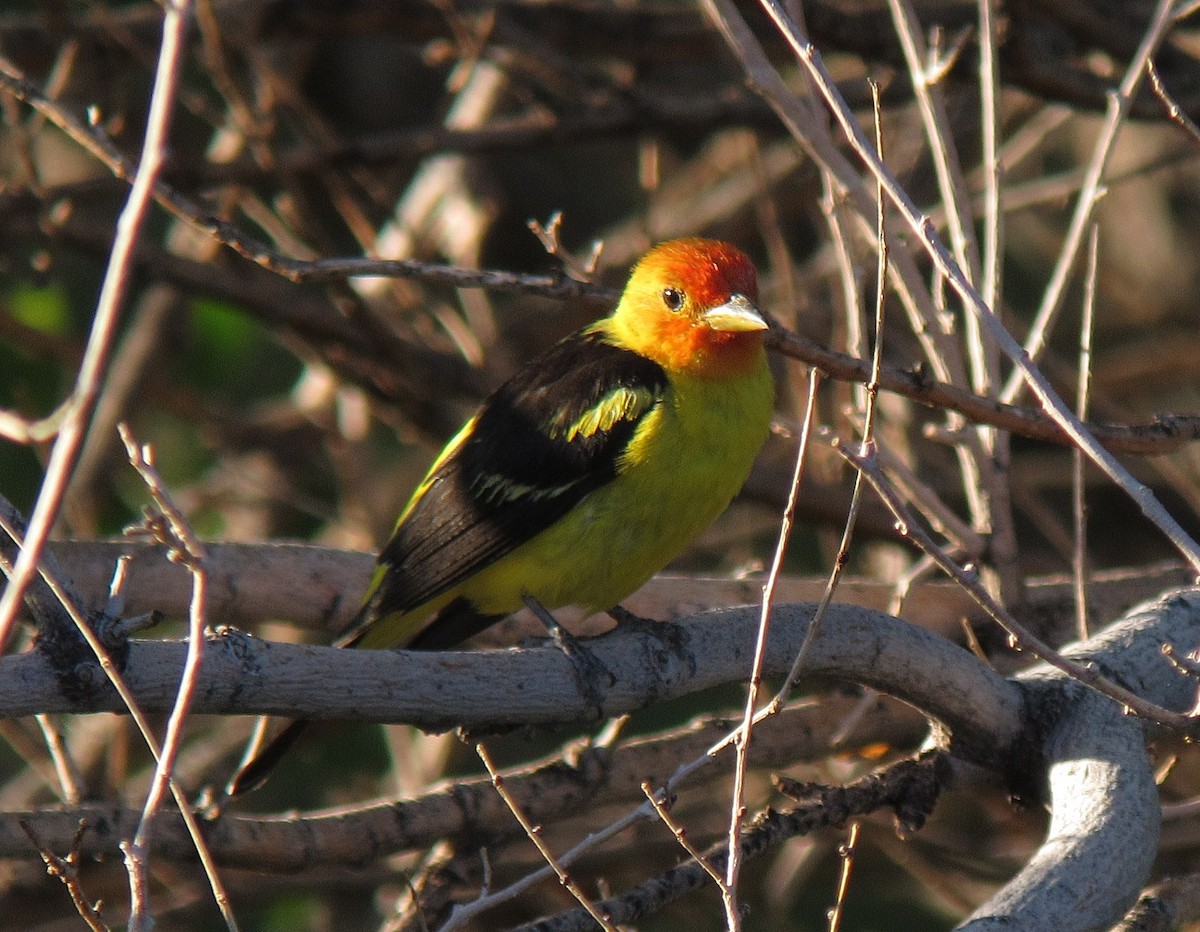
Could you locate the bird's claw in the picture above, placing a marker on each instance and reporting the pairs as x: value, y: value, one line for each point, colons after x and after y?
x: 628, y: 621
x: 590, y: 671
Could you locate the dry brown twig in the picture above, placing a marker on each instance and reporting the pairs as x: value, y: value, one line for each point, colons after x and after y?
x: 171, y: 528
x: 66, y: 869
x: 533, y: 832
x: 1174, y: 111
x: 1078, y: 505
x: 846, y: 852
x: 580, y: 268
x: 662, y: 807
x: 742, y: 737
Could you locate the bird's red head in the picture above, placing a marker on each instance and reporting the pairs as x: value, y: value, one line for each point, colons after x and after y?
x: 690, y: 306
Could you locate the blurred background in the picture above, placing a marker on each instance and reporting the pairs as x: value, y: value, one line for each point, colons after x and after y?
x: 437, y: 132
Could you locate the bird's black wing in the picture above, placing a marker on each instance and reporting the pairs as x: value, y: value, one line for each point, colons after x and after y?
x: 545, y: 439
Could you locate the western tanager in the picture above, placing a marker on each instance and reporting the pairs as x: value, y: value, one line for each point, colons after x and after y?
x: 587, y: 471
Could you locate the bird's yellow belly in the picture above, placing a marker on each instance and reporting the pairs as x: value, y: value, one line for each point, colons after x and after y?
x: 681, y: 471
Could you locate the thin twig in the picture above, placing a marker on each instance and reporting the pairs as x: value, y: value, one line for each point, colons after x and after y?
x: 66, y: 869
x: 846, y: 852
x: 741, y: 736
x: 996, y: 444
x: 852, y: 309
x: 941, y: 147
x: 184, y: 547
x: 660, y: 802
x: 69, y: 780
x: 993, y: 218
x: 1119, y: 103
x: 581, y: 269
x: 977, y: 477
x: 108, y: 307
x: 1078, y: 488
x: 534, y: 833
x: 941, y: 516
x: 1174, y: 111
x: 868, y: 433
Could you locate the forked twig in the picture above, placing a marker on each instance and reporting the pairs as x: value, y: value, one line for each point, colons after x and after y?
x: 185, y: 548
x: 66, y: 869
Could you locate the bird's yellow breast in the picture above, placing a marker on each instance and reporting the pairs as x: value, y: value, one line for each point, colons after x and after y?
x: 686, y: 461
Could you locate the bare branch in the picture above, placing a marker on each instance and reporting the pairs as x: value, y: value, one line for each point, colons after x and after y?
x: 500, y: 689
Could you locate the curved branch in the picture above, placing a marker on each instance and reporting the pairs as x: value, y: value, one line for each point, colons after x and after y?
x: 1103, y: 801
x: 1104, y: 795
x: 1102, y: 790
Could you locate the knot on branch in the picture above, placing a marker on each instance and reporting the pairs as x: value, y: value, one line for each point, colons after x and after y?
x: 71, y: 657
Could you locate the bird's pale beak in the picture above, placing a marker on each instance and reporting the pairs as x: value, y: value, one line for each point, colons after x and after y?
x: 737, y: 315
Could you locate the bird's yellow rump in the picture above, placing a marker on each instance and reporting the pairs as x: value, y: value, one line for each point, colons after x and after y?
x: 587, y: 471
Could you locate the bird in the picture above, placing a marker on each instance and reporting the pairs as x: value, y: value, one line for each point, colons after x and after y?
x: 586, y: 472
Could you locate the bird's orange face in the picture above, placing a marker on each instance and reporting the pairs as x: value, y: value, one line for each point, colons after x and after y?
x: 690, y: 306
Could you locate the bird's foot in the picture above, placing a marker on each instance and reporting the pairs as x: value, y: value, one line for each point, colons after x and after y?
x: 590, y: 672
x: 668, y: 633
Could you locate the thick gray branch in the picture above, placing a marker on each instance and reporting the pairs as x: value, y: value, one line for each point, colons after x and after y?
x: 500, y: 689
x: 1104, y: 827
x: 1105, y: 821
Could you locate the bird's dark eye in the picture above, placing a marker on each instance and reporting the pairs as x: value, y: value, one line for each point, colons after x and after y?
x: 672, y: 298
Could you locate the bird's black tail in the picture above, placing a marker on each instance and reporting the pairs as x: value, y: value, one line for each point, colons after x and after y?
x: 254, y: 770
x: 450, y: 627
x: 260, y: 760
